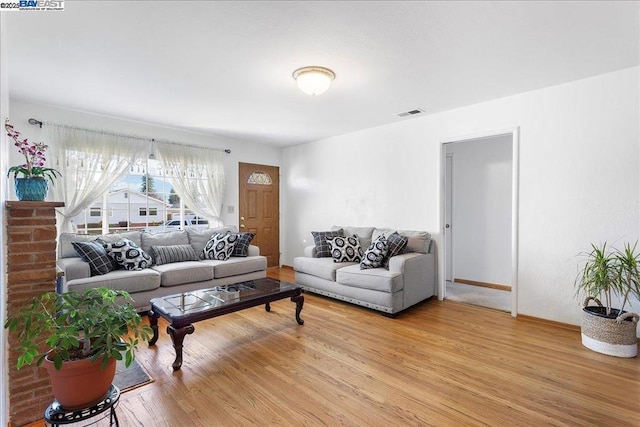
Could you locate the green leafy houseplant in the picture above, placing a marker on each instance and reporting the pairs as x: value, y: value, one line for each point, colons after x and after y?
x: 34, y: 156
x: 607, y: 273
x: 99, y: 324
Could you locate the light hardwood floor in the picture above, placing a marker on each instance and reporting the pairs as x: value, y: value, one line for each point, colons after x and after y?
x: 439, y: 363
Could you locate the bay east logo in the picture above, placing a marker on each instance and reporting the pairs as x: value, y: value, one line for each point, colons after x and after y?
x: 32, y: 5
x: 44, y: 4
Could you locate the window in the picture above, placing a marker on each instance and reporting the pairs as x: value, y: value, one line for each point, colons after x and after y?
x: 260, y: 178
x: 151, y: 211
x: 142, y: 199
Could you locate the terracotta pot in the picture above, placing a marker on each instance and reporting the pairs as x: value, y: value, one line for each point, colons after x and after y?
x: 80, y: 383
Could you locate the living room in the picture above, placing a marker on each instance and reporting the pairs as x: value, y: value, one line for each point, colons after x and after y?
x: 575, y: 119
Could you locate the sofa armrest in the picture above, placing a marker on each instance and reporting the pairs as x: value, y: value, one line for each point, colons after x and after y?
x: 419, y: 274
x: 253, y: 251
x: 310, y: 251
x: 74, y: 268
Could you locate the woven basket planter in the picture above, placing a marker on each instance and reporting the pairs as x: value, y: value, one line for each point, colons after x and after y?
x: 614, y: 336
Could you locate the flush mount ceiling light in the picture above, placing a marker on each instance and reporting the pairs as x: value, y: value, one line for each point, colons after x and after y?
x: 313, y: 80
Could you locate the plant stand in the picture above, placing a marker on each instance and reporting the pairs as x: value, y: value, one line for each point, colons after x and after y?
x: 56, y: 415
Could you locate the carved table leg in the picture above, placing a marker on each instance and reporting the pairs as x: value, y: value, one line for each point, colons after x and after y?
x: 177, y: 337
x: 267, y: 307
x: 153, y: 319
x: 299, y: 300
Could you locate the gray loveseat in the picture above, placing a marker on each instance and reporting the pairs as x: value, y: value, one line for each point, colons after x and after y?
x: 159, y: 280
x: 411, y: 276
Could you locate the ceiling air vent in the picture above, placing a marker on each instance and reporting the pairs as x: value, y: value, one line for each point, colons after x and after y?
x: 413, y: 112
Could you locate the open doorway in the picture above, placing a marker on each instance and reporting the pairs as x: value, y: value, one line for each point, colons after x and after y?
x: 479, y: 220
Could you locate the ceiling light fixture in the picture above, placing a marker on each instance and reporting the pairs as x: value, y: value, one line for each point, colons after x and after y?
x: 313, y: 80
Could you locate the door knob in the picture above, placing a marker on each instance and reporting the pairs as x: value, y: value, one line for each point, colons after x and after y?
x: 241, y: 218
x: 242, y: 226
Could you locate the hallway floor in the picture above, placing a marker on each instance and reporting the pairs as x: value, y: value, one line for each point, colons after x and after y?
x: 480, y: 296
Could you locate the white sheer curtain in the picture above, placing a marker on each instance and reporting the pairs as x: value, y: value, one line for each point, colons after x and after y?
x: 197, y: 176
x: 91, y: 162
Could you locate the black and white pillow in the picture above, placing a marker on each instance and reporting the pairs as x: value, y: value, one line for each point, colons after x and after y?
x: 173, y: 253
x: 128, y: 254
x: 242, y: 244
x: 95, y: 254
x: 396, y: 244
x: 345, y: 249
x: 323, y: 250
x: 220, y: 247
x: 374, y: 255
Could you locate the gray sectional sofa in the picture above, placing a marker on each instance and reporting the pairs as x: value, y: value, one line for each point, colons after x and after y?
x: 411, y: 276
x: 159, y: 280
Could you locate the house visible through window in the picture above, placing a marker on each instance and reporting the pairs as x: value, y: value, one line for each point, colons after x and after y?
x: 142, y: 199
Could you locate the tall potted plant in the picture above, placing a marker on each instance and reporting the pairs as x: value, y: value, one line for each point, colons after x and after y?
x: 85, y: 333
x: 607, y: 275
x: 32, y: 177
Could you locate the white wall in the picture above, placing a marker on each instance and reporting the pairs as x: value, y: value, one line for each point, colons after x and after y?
x: 579, y: 151
x: 241, y: 151
x: 481, y: 222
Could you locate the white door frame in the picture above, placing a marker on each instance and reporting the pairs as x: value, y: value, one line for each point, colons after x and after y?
x: 515, y: 179
x: 449, y: 267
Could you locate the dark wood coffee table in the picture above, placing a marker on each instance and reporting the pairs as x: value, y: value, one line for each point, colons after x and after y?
x: 182, y: 310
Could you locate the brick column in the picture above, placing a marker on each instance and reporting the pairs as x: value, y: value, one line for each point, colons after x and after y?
x: 31, y: 270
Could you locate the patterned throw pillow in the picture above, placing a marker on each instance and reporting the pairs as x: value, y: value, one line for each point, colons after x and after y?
x: 242, y: 244
x: 95, y: 254
x: 220, y: 247
x: 345, y: 249
x: 396, y: 244
x: 173, y: 253
x: 375, y: 254
x: 128, y: 254
x: 323, y: 250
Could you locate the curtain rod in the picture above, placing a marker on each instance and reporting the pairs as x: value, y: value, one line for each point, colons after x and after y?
x: 33, y: 121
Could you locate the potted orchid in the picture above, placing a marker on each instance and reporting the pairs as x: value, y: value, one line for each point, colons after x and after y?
x: 30, y: 177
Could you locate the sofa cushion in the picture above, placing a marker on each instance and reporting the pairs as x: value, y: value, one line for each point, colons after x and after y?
x: 66, y: 250
x: 220, y: 247
x: 375, y: 253
x: 363, y: 233
x: 396, y: 244
x: 323, y: 250
x: 127, y: 254
x: 377, y: 279
x: 168, y: 238
x: 241, y: 248
x: 198, y: 238
x: 179, y: 273
x: 124, y: 280
x: 345, y: 249
x: 235, y: 266
x: 418, y: 241
x: 174, y: 253
x: 96, y: 255
x: 324, y: 268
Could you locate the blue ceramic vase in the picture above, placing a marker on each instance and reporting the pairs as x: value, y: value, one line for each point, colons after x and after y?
x: 31, y: 189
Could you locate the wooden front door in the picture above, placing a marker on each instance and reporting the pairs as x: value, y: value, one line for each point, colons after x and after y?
x: 260, y: 208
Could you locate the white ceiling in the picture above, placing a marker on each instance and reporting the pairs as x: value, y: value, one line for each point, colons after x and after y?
x: 225, y: 67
